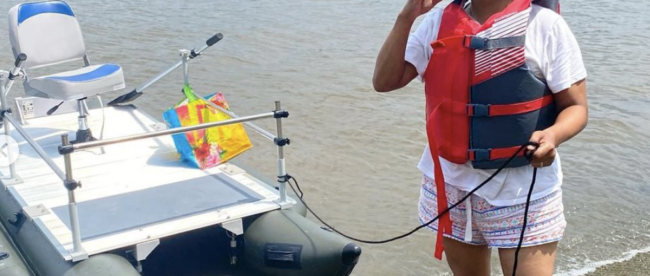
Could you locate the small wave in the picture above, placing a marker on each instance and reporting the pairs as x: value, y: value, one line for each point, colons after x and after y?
x: 593, y: 266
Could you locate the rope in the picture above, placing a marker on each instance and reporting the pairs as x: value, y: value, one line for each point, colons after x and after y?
x: 525, y: 220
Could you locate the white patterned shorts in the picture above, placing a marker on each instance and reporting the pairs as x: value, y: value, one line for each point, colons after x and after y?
x: 496, y: 226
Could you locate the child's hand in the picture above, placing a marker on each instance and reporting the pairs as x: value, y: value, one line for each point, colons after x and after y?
x: 415, y: 8
x: 545, y: 154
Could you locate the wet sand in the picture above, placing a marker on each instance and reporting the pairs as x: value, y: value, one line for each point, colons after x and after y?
x: 637, y: 266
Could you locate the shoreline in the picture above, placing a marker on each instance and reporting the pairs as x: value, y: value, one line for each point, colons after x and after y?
x: 639, y: 265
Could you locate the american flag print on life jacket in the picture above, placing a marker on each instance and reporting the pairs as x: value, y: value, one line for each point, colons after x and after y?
x: 497, y: 61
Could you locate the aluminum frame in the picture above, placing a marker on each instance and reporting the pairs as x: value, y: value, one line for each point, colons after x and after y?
x: 7, y: 79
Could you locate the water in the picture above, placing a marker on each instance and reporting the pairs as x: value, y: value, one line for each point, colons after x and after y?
x: 353, y: 150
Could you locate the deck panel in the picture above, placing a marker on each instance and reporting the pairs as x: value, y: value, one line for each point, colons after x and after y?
x: 139, y: 171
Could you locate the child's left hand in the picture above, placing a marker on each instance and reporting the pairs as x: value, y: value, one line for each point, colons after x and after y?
x: 544, y: 156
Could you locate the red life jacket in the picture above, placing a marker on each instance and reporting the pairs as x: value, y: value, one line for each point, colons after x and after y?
x: 482, y: 102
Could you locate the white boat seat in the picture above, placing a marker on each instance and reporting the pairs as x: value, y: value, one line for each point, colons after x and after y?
x: 81, y: 83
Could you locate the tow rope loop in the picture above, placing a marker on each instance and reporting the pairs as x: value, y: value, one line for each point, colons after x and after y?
x: 521, y: 149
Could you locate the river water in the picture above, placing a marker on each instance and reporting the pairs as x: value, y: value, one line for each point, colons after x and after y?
x: 354, y: 151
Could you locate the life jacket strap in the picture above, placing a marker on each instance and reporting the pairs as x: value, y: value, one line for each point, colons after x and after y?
x: 491, y: 110
x: 492, y: 154
x: 480, y: 43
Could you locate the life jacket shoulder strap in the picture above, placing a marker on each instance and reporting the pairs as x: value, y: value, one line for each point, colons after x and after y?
x: 486, y: 44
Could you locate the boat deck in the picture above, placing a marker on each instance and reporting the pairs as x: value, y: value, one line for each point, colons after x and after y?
x: 133, y: 192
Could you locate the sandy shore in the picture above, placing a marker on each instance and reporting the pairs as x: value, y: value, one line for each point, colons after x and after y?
x: 638, y: 266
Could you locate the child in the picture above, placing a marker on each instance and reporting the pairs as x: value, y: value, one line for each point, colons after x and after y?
x: 497, y: 74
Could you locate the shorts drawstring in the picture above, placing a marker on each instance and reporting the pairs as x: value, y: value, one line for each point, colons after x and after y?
x: 468, y: 227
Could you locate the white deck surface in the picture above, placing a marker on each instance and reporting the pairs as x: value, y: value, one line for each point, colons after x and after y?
x: 124, y: 168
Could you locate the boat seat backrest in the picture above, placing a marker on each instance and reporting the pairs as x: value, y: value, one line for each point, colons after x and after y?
x: 47, y: 32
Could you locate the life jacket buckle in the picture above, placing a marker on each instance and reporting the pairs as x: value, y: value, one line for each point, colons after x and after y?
x: 478, y: 110
x: 479, y: 154
x: 474, y: 42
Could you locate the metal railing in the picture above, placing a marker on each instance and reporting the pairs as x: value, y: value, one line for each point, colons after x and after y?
x: 6, y: 82
x: 66, y: 149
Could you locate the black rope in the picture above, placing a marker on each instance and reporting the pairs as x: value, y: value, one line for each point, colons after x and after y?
x: 532, y: 185
x: 523, y: 228
x: 289, y: 177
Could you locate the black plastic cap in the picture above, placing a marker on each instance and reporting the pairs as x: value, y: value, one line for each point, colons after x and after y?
x: 214, y: 39
x: 71, y: 185
x: 280, y: 114
x: 350, y: 255
x: 66, y: 149
x: 20, y: 59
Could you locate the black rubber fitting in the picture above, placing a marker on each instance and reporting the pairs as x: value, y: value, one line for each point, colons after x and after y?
x: 3, y: 113
x: 17, y: 220
x: 4, y: 256
x: 214, y: 39
x: 280, y: 114
x: 20, y: 59
x: 281, y: 142
x: 71, y: 185
x: 284, y: 178
x: 350, y: 255
x: 66, y: 149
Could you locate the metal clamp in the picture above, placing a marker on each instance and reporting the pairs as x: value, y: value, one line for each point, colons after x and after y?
x: 3, y: 113
x: 71, y: 185
x: 281, y: 142
x: 280, y: 114
x: 284, y: 178
x: 67, y: 149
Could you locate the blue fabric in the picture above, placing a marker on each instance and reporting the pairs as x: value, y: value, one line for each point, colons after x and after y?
x: 515, y: 86
x: 29, y: 10
x: 180, y: 141
x: 100, y: 72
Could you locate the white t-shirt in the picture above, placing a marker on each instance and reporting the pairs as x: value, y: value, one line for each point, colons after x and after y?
x: 552, y: 53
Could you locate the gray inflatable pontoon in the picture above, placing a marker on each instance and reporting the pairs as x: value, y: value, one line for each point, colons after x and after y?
x: 121, y: 203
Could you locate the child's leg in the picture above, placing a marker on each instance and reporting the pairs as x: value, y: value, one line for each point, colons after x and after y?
x: 533, y: 261
x: 501, y: 228
x: 466, y: 259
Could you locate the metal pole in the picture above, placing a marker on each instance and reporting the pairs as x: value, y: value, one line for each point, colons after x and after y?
x: 137, y: 92
x: 282, y: 169
x: 83, y: 123
x: 185, y: 57
x: 166, y: 72
x: 259, y: 130
x: 36, y: 147
x: 153, y: 134
x: 156, y: 78
x: 5, y: 84
x: 71, y: 185
x: 7, y: 81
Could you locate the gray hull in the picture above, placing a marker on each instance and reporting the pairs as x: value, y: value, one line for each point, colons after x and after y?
x: 11, y: 263
x: 41, y: 256
x: 202, y: 252
x: 284, y: 243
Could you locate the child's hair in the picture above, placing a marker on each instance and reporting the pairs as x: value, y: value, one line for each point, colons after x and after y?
x: 550, y: 4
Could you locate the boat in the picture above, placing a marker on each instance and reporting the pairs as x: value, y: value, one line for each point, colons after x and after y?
x: 122, y: 203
